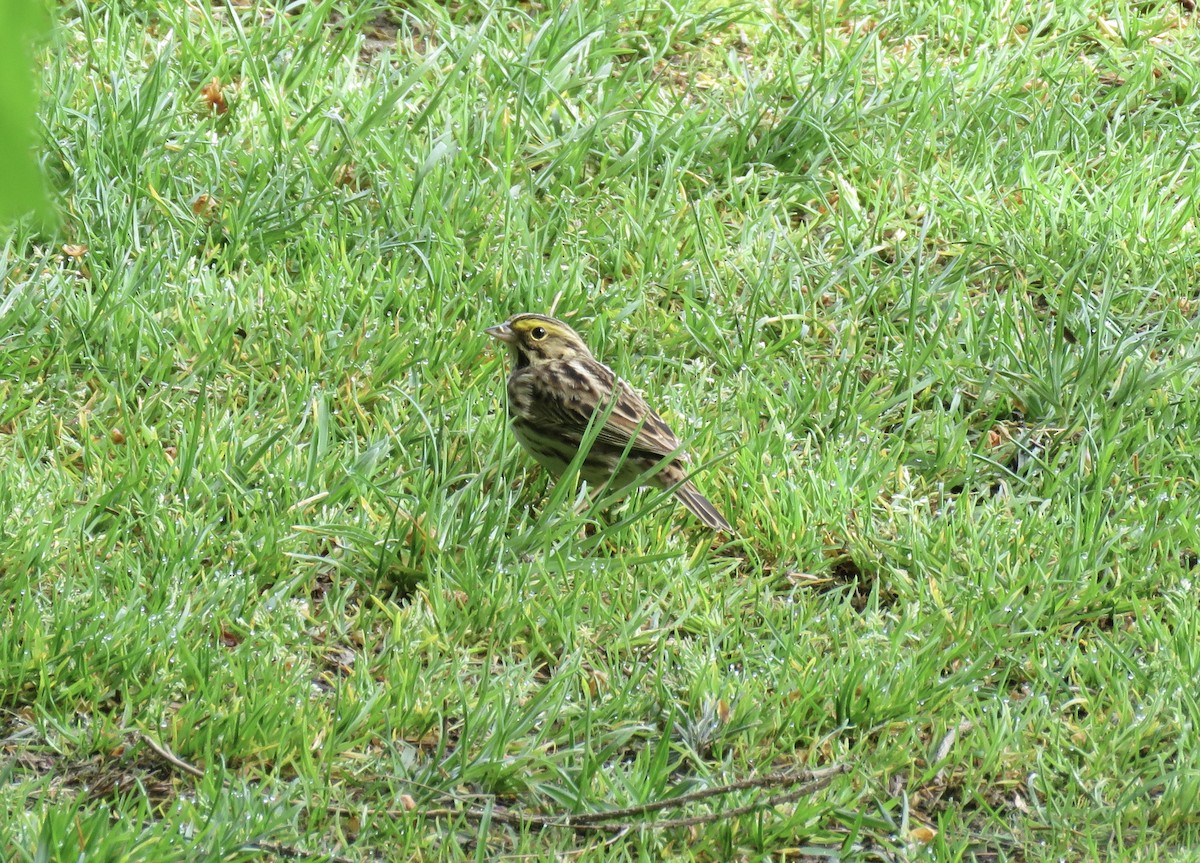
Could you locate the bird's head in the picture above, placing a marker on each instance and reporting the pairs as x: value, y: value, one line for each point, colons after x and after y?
x: 535, y: 339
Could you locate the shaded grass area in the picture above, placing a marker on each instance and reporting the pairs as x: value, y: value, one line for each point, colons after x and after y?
x: 920, y: 283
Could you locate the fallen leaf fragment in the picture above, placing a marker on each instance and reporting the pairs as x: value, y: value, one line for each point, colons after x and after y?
x: 214, y: 97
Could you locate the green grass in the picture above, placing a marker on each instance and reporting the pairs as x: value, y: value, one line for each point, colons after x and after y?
x: 917, y: 280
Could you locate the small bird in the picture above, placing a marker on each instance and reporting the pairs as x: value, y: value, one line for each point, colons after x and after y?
x: 556, y: 387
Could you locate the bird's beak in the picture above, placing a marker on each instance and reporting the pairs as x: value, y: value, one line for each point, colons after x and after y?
x: 502, y: 332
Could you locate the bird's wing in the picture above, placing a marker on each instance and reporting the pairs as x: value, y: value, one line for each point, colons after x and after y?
x: 585, y: 390
x: 631, y: 417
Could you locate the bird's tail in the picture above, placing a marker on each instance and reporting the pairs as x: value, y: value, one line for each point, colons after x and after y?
x: 700, y: 507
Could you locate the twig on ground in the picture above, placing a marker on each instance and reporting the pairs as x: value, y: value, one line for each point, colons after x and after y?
x: 169, y: 756
x: 617, y: 821
x: 808, y: 781
x: 771, y: 780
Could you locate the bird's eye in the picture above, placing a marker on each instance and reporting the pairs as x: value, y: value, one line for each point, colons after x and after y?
x: 538, y: 333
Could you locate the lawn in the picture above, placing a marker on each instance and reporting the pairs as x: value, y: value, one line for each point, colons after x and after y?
x: 916, y: 283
